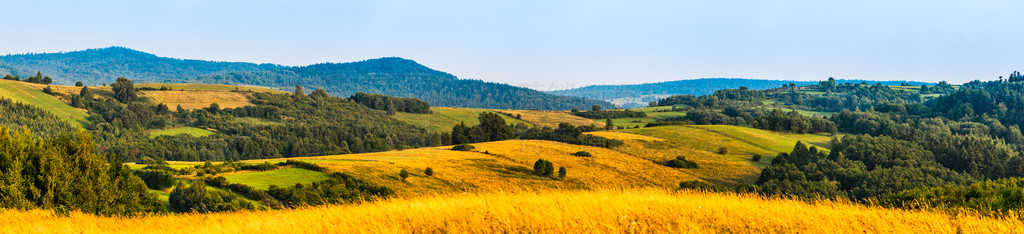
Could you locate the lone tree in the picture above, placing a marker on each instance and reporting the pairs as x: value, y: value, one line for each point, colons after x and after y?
x: 608, y: 125
x: 561, y: 172
x: 428, y: 172
x: 85, y: 93
x: 596, y: 107
x: 79, y: 84
x: 404, y: 174
x: 299, y: 92
x: 723, y: 150
x: 124, y: 90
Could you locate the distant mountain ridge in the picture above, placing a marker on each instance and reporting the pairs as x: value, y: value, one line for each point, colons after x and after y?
x: 639, y: 94
x: 391, y: 76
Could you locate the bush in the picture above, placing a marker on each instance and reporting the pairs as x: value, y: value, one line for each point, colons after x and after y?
x: 156, y: 179
x: 756, y: 158
x: 404, y: 174
x: 723, y: 150
x: 561, y: 172
x: 428, y: 172
x: 266, y: 166
x: 304, y: 165
x: 681, y: 162
x: 463, y: 147
x: 543, y: 167
x: 583, y: 154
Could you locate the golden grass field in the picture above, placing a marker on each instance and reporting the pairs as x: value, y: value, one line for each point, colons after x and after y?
x: 442, y: 119
x: 189, y: 96
x: 508, y: 165
x: 552, y: 118
x: 598, y: 211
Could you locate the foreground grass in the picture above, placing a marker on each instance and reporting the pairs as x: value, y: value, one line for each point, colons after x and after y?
x: 33, y: 95
x: 280, y: 177
x: 605, y: 211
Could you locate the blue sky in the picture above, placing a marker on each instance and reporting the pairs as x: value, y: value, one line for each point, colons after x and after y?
x: 554, y: 44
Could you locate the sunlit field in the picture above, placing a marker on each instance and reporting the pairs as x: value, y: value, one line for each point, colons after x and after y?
x: 602, y: 211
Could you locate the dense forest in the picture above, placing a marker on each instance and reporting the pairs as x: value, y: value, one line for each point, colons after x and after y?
x: 97, y: 66
x: 905, y: 146
x: 390, y: 76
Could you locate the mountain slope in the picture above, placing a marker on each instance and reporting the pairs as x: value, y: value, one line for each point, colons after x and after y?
x: 404, y: 78
x: 641, y: 94
x: 97, y: 66
x: 390, y: 76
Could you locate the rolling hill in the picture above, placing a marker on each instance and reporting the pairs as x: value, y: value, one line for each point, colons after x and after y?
x: 390, y: 76
x: 32, y: 94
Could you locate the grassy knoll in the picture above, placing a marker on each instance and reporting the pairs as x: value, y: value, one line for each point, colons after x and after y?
x: 281, y: 177
x: 30, y: 94
x: 196, y: 132
x: 601, y: 211
x: 444, y: 118
x: 742, y: 142
x: 507, y: 166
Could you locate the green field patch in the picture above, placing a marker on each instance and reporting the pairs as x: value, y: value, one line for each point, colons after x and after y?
x: 196, y: 132
x: 742, y: 142
x: 21, y: 92
x: 280, y: 177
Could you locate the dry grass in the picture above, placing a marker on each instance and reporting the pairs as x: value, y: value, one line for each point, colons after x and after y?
x: 197, y: 99
x: 603, y: 211
x: 552, y: 118
x: 508, y: 165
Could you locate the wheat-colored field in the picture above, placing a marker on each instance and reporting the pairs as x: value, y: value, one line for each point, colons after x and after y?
x: 508, y: 165
x: 580, y: 211
x: 552, y: 118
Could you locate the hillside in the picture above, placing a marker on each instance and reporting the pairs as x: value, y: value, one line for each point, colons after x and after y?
x: 601, y: 211
x: 390, y: 76
x: 404, y: 78
x: 442, y: 119
x: 641, y: 94
x: 506, y: 165
x: 30, y: 94
x: 97, y: 66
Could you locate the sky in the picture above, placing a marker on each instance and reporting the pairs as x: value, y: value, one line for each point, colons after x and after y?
x: 549, y: 45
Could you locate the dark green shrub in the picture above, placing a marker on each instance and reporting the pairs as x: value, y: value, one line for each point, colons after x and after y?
x: 723, y: 150
x: 583, y: 154
x: 463, y: 147
x: 428, y: 172
x: 266, y: 166
x: 543, y: 167
x: 404, y: 174
x: 681, y: 162
x: 756, y: 158
x: 156, y: 179
x: 561, y: 172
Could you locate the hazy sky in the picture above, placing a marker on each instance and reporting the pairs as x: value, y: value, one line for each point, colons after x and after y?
x: 555, y: 44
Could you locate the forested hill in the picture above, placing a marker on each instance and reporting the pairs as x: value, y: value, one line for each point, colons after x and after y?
x: 405, y: 78
x: 390, y: 76
x: 648, y: 92
x: 98, y: 66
